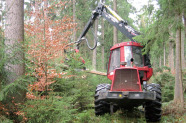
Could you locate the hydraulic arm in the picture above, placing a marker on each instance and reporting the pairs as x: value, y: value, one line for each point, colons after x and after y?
x: 113, y: 18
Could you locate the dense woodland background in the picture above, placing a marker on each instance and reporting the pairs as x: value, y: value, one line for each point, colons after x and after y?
x: 39, y: 84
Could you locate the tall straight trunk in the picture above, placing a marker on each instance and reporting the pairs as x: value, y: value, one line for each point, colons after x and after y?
x: 115, y: 31
x: 182, y: 49
x: 14, y: 40
x: 160, y: 61
x: 171, y: 51
x: 183, y: 36
x: 178, y: 91
x: 14, y: 34
x: 45, y: 11
x: 184, y: 18
x: 74, y: 19
x: 164, y: 54
x: 95, y: 50
x: 103, y: 48
x: 171, y: 56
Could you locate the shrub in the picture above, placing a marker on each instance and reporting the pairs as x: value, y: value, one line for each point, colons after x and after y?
x: 53, y: 109
x: 166, y: 80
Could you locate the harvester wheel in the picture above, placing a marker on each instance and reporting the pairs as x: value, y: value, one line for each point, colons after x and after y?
x: 101, y: 107
x: 153, y: 108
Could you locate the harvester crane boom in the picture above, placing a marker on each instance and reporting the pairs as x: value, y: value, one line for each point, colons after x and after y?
x: 113, y: 18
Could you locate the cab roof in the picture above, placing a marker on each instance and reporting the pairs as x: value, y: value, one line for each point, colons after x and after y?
x: 129, y: 43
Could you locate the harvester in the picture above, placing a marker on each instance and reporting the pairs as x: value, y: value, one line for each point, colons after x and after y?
x: 128, y: 71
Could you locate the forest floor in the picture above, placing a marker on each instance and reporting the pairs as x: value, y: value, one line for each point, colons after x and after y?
x: 137, y: 116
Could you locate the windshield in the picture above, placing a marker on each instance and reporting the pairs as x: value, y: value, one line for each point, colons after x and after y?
x: 135, y: 53
x: 137, y: 56
x: 115, y: 60
x: 128, y: 55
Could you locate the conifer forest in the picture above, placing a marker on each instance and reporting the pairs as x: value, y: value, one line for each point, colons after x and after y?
x: 92, y: 61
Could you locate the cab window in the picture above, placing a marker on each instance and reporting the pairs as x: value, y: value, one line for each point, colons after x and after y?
x: 114, y: 59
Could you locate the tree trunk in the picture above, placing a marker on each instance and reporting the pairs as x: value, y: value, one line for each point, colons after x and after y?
x: 183, y: 36
x: 95, y: 50
x: 171, y: 51
x: 103, y: 48
x: 184, y: 20
x: 171, y: 56
x: 74, y: 19
x: 14, y: 34
x: 160, y: 61
x: 184, y: 17
x: 182, y: 49
x: 45, y: 11
x: 115, y: 32
x: 178, y: 92
x: 14, y: 38
x: 164, y: 54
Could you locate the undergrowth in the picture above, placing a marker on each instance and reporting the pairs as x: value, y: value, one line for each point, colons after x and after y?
x: 72, y: 101
x: 166, y: 80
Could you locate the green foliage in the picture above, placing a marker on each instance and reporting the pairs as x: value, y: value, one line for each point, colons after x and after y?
x: 10, y: 90
x: 174, y: 119
x: 3, y: 119
x: 166, y: 80
x: 2, y: 59
x: 74, y: 61
x: 161, y: 69
x: 88, y: 116
x: 49, y: 110
x: 70, y: 100
x: 162, y: 26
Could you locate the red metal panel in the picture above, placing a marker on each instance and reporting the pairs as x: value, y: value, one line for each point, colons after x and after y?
x: 122, y: 55
x: 126, y: 80
x: 130, y: 43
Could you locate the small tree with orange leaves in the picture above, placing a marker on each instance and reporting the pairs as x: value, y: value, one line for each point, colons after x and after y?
x: 47, y: 42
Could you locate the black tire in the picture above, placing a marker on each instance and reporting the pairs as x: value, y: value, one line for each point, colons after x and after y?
x: 153, y: 108
x: 101, y: 107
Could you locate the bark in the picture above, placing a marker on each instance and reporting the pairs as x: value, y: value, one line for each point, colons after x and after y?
x: 14, y: 38
x: 171, y: 56
x: 45, y: 11
x: 171, y: 51
x: 115, y: 32
x: 160, y: 61
x: 183, y: 35
x: 95, y: 50
x: 14, y: 34
x: 184, y: 20
x: 184, y: 17
x: 178, y: 92
x: 97, y: 72
x: 103, y: 48
x: 74, y: 19
x: 182, y: 49
x: 164, y: 55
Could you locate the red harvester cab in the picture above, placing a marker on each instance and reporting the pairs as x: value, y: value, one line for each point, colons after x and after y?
x: 126, y: 68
